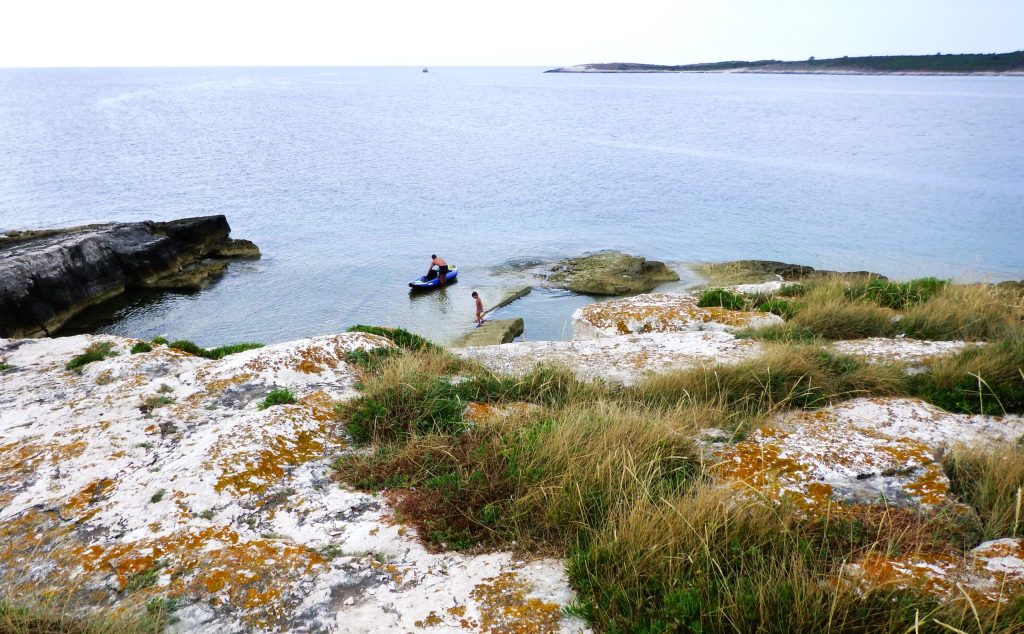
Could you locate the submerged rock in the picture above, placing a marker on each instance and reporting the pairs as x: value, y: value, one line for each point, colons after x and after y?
x: 660, y: 312
x: 610, y: 273
x: 492, y: 332
x: 158, y: 477
x: 46, y: 277
x: 754, y: 271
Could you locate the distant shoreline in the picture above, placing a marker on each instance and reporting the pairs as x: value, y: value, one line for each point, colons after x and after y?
x: 993, y: 64
x: 570, y: 70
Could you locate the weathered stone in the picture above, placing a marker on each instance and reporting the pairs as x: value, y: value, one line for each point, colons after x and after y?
x: 754, y: 271
x: 913, y: 352
x: 491, y: 333
x: 48, y: 276
x: 991, y: 573
x: 660, y: 312
x: 623, y: 359
x: 861, y: 451
x: 236, y: 248
x: 610, y: 273
x: 193, y: 277
x: 230, y: 508
x: 509, y: 296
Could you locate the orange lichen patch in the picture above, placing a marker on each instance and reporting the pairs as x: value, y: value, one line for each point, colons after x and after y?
x: 660, y: 313
x: 21, y: 459
x: 320, y: 405
x: 933, y: 573
x: 457, y: 610
x: 391, y: 570
x: 247, y: 470
x: 757, y: 464
x: 86, y: 497
x: 477, y: 412
x: 504, y: 607
x: 931, y: 487
x: 217, y: 386
x: 430, y: 620
x: 259, y: 578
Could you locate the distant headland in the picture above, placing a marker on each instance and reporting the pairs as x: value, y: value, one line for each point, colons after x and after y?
x: 938, y: 64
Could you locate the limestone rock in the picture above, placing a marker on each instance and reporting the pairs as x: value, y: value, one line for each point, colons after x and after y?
x: 491, y: 333
x: 860, y: 451
x: 753, y: 271
x: 236, y: 248
x: 48, y: 276
x: 624, y: 359
x: 610, y: 273
x: 913, y: 352
x: 157, y: 476
x: 660, y: 312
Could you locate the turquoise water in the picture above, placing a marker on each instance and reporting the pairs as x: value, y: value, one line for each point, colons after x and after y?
x: 350, y: 178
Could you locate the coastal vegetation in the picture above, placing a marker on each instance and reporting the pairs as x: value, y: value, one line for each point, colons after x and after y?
x: 97, y: 351
x: 278, y: 396
x: 938, y: 63
x: 618, y: 480
x: 212, y: 353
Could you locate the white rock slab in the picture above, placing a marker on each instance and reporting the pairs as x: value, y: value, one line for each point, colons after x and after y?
x: 622, y: 359
x: 660, y: 313
x: 229, y: 509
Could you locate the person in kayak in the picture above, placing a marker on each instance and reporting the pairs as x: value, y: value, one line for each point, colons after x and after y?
x: 442, y: 269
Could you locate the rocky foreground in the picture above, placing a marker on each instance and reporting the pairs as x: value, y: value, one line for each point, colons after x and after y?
x: 49, y: 276
x: 160, y: 478
x: 156, y: 479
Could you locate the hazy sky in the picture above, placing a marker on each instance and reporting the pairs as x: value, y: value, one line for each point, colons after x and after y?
x: 482, y: 32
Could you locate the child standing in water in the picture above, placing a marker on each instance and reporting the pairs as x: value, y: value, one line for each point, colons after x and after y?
x: 479, y: 310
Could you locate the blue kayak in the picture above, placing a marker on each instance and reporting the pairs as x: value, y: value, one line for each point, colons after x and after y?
x: 422, y: 283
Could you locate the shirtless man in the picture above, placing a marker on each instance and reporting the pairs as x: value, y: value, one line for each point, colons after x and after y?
x: 479, y: 309
x: 442, y: 268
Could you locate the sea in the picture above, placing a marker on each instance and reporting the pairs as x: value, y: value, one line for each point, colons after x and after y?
x: 349, y: 179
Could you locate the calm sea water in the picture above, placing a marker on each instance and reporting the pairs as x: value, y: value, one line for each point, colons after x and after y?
x: 350, y: 178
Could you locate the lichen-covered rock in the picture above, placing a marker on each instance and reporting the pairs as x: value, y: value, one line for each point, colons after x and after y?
x: 660, y: 312
x: 624, y: 359
x: 157, y: 476
x: 610, y: 273
x: 753, y: 271
x: 913, y: 352
x: 46, y: 277
x: 860, y: 451
x: 990, y: 573
x: 492, y: 332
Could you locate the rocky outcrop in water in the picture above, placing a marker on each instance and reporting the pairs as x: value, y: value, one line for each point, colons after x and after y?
x: 492, y: 332
x: 46, y: 277
x: 610, y: 273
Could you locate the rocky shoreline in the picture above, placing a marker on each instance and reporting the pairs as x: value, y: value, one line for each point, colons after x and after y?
x: 47, y: 277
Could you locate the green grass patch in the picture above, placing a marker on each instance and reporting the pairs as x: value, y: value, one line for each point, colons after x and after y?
x: 991, y: 481
x: 97, y: 351
x: 212, y: 353
x: 145, y: 578
x: 61, y: 617
x: 399, y: 336
x: 278, y: 396
x: 897, y: 295
x: 722, y: 298
x: 141, y: 347
x: 159, y: 341
x: 5, y: 366
x: 777, y: 306
x: 986, y: 379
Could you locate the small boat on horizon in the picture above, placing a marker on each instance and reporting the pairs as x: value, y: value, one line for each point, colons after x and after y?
x: 425, y: 70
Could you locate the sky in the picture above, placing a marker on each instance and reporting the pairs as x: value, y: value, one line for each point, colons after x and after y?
x: 491, y: 33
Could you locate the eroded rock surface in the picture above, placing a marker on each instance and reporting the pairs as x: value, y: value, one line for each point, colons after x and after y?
x: 623, y: 359
x: 46, y: 277
x: 913, y: 352
x: 660, y: 313
x: 610, y: 273
x: 156, y: 476
x: 492, y: 332
x: 863, y: 451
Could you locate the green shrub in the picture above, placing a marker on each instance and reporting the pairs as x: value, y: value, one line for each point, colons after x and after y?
x: 95, y: 352
x: 4, y: 366
x: 792, y: 290
x: 214, y: 353
x: 985, y: 379
x: 140, y: 347
x: 722, y: 298
x: 278, y: 396
x: 372, y: 358
x: 401, y: 337
x: 781, y: 307
x: 159, y: 341
x: 897, y: 295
